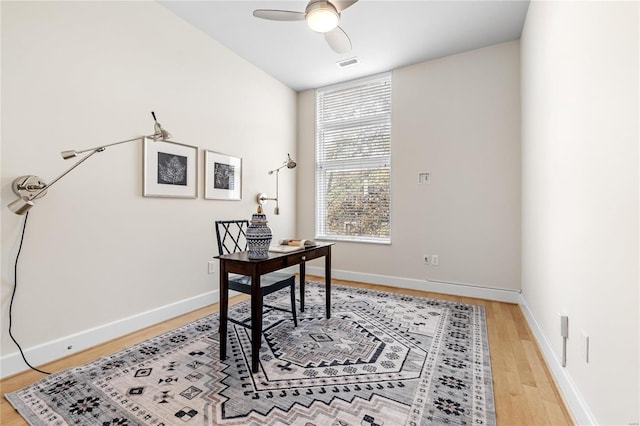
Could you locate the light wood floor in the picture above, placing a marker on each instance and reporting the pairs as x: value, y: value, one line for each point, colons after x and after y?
x: 525, y: 393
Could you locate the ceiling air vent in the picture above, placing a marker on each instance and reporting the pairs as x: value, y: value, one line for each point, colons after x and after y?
x: 348, y: 62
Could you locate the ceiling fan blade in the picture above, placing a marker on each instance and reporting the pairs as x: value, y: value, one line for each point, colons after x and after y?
x: 279, y: 15
x: 338, y: 40
x: 341, y: 5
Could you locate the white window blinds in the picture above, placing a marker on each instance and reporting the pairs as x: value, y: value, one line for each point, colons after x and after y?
x: 353, y: 160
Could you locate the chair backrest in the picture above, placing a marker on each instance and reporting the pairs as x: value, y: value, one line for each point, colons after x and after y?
x: 232, y: 235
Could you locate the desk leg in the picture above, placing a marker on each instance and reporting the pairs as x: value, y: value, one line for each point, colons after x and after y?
x: 302, y: 282
x: 224, y: 307
x: 327, y: 281
x: 256, y: 320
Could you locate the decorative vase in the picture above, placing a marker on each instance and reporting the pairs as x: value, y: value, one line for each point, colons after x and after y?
x: 258, y: 236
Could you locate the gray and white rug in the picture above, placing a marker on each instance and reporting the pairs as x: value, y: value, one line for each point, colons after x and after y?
x: 382, y: 359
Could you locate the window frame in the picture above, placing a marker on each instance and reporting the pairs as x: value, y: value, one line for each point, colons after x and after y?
x: 345, y: 164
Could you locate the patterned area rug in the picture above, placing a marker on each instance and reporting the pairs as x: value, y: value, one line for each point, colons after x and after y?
x: 382, y: 359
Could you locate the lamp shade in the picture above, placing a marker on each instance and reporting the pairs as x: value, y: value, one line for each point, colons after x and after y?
x: 69, y: 154
x: 20, y: 206
x: 290, y: 163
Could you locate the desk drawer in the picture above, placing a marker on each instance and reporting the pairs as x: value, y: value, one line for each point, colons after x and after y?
x: 276, y: 263
x: 289, y: 260
x: 296, y: 258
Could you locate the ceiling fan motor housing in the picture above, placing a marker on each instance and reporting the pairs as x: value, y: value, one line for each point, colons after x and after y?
x: 322, y: 16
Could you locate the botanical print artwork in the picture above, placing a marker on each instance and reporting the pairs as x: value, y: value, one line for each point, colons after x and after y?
x: 172, y: 169
x: 223, y: 176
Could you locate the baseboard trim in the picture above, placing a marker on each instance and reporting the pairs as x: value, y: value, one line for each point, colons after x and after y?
x: 572, y: 397
x: 458, y: 289
x: 38, y: 355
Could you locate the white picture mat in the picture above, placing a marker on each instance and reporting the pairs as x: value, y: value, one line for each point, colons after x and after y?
x: 210, y: 191
x: 151, y: 187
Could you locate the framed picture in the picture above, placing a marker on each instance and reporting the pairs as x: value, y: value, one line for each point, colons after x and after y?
x: 222, y: 176
x: 170, y: 169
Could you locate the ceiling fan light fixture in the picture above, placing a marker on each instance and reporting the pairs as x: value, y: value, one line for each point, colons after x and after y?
x: 322, y: 17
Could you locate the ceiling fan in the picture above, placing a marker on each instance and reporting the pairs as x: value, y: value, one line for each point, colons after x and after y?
x: 321, y: 16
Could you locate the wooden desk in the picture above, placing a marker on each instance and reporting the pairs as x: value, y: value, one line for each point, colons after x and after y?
x: 239, y: 263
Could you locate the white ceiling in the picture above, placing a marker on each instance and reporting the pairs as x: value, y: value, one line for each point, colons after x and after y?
x: 385, y: 34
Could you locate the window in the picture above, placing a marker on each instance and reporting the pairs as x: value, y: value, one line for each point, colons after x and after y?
x: 353, y: 160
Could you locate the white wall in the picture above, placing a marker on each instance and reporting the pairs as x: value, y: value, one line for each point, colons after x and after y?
x: 98, y: 258
x: 580, y: 194
x: 458, y: 118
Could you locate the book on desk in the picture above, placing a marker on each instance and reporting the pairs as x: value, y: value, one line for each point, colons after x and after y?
x: 290, y: 244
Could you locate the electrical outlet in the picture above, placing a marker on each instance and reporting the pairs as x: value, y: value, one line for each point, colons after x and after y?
x: 435, y: 260
x: 212, y: 266
x: 426, y: 259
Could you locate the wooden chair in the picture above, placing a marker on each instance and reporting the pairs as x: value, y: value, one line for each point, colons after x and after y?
x: 231, y: 236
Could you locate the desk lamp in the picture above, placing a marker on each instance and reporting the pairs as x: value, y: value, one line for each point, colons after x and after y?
x: 262, y: 197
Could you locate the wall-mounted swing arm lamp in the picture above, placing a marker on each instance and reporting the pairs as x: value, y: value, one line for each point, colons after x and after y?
x: 262, y: 197
x: 31, y: 187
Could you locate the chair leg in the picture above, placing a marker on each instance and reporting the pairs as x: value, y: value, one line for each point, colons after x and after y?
x: 293, y: 305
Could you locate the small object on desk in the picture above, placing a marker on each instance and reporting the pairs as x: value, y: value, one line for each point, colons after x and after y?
x: 284, y: 248
x: 297, y: 243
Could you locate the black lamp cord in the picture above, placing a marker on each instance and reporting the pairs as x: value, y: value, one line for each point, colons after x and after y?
x: 15, y: 286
